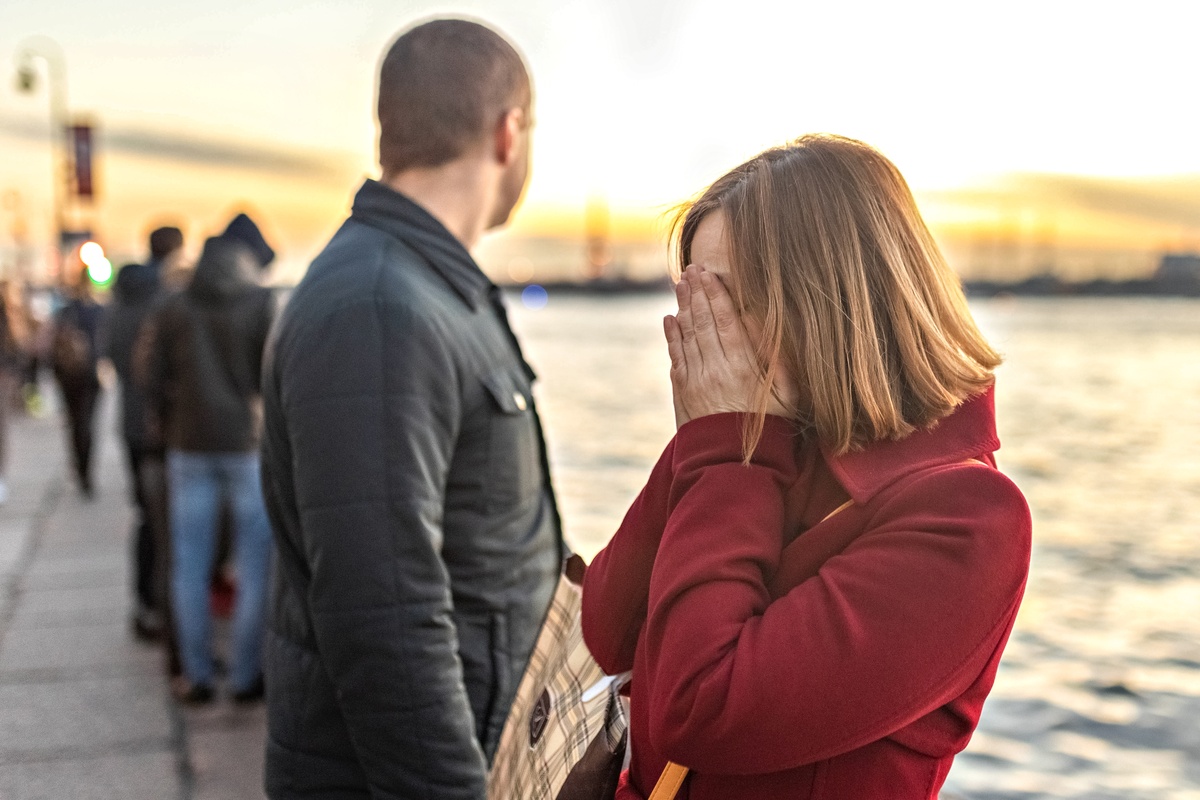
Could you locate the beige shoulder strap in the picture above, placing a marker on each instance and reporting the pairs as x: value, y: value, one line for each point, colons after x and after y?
x: 838, y: 510
x: 669, y: 782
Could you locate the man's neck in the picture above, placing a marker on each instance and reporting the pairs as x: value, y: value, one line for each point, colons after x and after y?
x: 460, y: 195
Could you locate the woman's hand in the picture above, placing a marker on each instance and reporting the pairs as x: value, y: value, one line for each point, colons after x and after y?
x: 714, y: 368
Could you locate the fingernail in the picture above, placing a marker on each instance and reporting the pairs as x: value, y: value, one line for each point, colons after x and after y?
x: 683, y: 289
x: 706, y: 278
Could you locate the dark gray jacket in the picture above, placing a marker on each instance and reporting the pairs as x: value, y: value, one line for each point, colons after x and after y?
x: 417, y: 537
x: 136, y: 293
x: 205, y: 372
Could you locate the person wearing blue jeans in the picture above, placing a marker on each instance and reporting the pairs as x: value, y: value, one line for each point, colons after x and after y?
x: 203, y: 387
x: 199, y: 484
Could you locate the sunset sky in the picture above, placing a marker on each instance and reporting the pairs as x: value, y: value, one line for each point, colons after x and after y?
x: 1034, y: 132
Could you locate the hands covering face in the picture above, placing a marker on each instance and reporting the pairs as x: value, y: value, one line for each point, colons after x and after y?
x: 714, y: 368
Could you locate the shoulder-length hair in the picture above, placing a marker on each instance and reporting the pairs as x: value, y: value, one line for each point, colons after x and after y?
x: 829, y: 253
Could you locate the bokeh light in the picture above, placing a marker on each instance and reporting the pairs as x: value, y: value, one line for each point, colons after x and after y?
x: 534, y: 297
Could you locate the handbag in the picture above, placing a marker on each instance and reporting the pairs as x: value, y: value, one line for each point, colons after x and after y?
x: 565, y: 737
x: 566, y: 734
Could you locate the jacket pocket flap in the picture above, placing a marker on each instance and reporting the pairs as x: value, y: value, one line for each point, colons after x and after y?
x: 508, y: 393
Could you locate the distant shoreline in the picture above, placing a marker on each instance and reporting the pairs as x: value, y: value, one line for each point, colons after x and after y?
x: 1051, y: 286
x: 598, y: 286
x: 1038, y: 286
x: 1043, y: 286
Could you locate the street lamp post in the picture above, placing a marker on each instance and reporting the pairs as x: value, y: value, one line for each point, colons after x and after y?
x: 47, y: 50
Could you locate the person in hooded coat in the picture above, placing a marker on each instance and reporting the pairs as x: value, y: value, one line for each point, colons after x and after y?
x: 204, y: 377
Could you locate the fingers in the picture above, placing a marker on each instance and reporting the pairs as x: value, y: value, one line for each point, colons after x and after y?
x: 726, y: 321
x: 713, y: 367
x: 687, y: 326
x: 702, y: 315
x: 674, y: 345
x: 679, y: 375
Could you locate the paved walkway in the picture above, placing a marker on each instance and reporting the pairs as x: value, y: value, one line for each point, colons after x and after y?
x: 85, y: 710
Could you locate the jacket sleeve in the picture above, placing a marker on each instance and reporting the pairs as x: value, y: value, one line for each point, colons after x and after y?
x: 898, y: 624
x: 108, y: 344
x: 262, y: 333
x: 617, y: 582
x: 152, y: 368
x: 373, y: 409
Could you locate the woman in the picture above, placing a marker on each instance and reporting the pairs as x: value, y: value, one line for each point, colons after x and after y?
x: 815, y: 586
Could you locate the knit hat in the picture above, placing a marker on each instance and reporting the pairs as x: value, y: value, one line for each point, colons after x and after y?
x: 244, y: 231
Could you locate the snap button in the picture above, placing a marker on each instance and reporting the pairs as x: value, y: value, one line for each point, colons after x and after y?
x: 519, y: 399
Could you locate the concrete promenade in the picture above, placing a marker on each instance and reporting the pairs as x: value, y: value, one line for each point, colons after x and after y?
x: 85, y: 709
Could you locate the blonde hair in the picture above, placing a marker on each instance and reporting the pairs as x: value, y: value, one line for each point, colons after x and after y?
x: 829, y: 253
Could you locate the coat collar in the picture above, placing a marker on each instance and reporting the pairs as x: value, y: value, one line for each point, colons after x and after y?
x: 382, y: 207
x: 969, y: 432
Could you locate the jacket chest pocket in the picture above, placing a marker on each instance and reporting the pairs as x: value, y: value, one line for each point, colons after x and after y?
x: 514, y: 468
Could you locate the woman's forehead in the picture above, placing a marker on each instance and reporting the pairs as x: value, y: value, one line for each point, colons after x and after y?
x: 709, y: 248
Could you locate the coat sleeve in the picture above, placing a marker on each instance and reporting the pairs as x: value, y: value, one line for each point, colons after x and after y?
x: 152, y: 367
x: 373, y: 408
x: 617, y: 582
x: 262, y: 332
x: 108, y: 339
x: 900, y: 623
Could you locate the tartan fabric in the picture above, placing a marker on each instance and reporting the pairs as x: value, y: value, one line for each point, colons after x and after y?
x: 543, y: 740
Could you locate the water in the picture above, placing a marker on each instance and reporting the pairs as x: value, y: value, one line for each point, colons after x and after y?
x: 1099, y: 405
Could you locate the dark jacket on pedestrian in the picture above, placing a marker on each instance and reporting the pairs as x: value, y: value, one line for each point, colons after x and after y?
x: 81, y: 320
x: 136, y: 292
x: 417, y: 537
x: 206, y: 363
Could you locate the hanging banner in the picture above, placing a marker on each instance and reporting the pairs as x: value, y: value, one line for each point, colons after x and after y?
x: 80, y: 136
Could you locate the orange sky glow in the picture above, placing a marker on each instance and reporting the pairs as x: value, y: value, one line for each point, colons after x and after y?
x: 1035, y: 135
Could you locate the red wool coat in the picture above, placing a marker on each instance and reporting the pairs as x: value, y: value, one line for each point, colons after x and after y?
x: 780, y: 654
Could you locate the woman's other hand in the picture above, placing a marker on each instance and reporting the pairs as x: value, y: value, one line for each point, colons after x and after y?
x: 713, y: 363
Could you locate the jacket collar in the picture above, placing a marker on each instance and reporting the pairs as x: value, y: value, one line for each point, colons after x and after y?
x: 969, y: 432
x: 382, y: 207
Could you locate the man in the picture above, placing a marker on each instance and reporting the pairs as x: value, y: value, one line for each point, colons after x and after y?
x: 205, y: 374
x: 416, y: 533
x: 136, y: 292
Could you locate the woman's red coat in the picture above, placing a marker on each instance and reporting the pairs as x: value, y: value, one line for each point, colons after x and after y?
x: 779, y: 654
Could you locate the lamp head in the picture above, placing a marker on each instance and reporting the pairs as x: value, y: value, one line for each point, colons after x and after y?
x: 27, y: 77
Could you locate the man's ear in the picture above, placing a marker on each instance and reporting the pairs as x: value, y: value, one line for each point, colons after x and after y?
x: 508, y: 136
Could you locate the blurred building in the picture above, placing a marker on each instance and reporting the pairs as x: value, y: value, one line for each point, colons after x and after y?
x: 1178, y: 268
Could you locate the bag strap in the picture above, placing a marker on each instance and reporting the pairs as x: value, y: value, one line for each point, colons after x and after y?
x: 669, y: 782
x: 673, y: 775
x: 837, y: 510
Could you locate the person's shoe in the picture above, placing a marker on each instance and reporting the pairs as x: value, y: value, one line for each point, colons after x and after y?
x: 147, y: 624
x: 195, y: 694
x: 251, y: 694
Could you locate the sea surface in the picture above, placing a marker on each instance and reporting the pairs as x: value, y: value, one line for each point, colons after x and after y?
x: 1098, y: 695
